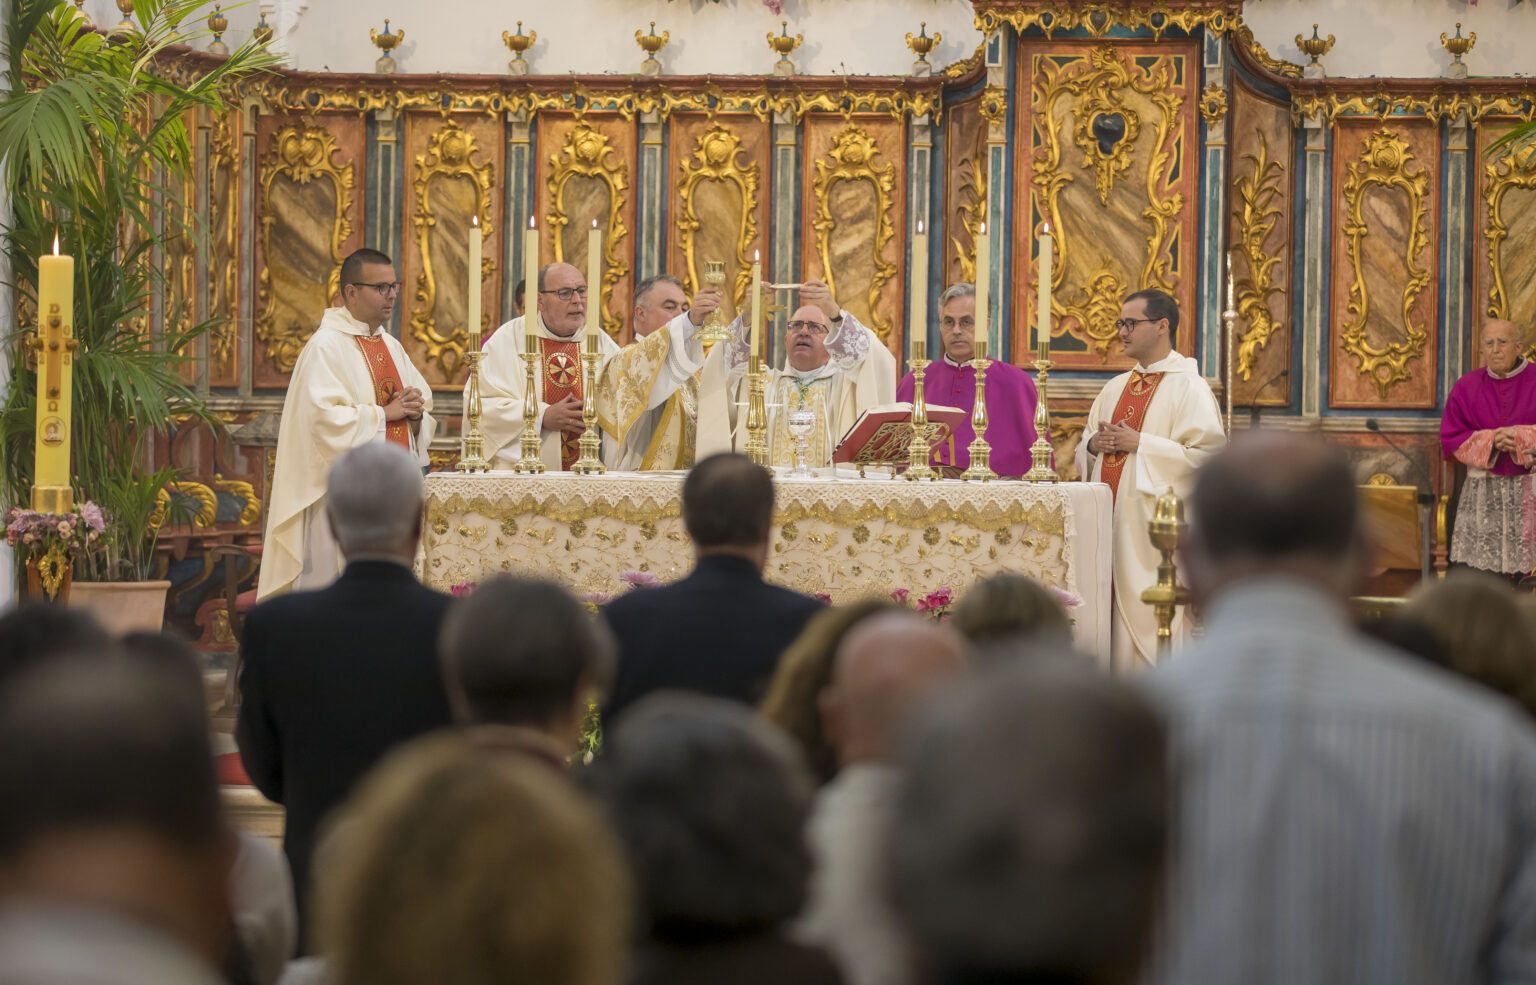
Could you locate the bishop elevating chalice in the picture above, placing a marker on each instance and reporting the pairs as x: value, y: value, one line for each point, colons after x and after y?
x: 714, y: 329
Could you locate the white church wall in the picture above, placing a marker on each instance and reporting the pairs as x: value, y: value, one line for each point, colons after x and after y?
x: 1388, y: 38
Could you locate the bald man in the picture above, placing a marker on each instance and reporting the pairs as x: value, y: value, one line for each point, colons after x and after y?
x: 559, y: 327
x: 834, y: 367
x: 1490, y: 427
x: 884, y: 666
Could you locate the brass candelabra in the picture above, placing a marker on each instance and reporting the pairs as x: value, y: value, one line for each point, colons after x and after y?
x: 472, y: 445
x: 919, y: 450
x: 1040, y: 469
x: 530, y: 462
x: 591, y: 443
x: 980, y: 468
x: 757, y: 412
x: 1164, y: 529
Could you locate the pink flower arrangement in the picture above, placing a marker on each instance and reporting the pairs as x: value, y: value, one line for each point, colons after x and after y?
x: 936, y: 601
x: 639, y: 579
x: 64, y: 533
x: 822, y: 597
x: 463, y: 588
x: 899, y: 596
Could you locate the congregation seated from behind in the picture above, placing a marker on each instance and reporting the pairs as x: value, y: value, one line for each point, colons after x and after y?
x: 719, y: 631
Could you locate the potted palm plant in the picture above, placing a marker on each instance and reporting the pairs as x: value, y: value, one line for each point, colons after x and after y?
x: 95, y: 148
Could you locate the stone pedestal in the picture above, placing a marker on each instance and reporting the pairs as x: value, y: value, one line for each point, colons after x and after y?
x: 650, y: 68
x: 384, y: 66
x: 517, y: 66
x: 784, y: 68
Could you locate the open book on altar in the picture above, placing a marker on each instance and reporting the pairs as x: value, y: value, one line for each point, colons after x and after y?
x: 883, y: 435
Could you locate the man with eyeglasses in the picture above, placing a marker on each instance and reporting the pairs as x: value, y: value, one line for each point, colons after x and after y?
x: 1147, y: 431
x: 352, y: 384
x: 560, y: 326
x: 650, y: 391
x: 834, y: 366
x: 951, y: 382
x: 1490, y: 427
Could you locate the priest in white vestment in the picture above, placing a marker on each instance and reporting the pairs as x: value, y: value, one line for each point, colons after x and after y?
x: 560, y: 329
x: 353, y: 383
x: 1147, y: 431
x: 834, y: 366
x: 648, y: 398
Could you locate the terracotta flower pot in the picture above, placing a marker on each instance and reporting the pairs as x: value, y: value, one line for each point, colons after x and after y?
x: 123, y: 607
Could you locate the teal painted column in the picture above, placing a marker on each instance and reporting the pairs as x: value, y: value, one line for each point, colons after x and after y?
x: 653, y: 200
x: 1213, y: 226
x: 1313, y: 272
x: 382, y: 203
x: 782, y: 265
x: 920, y: 210
x: 999, y: 341
x: 519, y: 198
x: 1456, y: 320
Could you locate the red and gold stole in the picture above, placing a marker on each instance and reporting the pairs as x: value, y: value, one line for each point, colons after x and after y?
x: 562, y: 378
x: 386, y: 383
x: 1132, y: 410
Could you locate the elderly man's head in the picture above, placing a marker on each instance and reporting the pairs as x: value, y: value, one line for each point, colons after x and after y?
x: 806, y: 338
x: 728, y: 507
x: 374, y: 497
x: 562, y: 299
x: 1275, y: 504
x: 883, y: 666
x: 503, y: 667
x: 1502, y: 345
x: 1029, y: 833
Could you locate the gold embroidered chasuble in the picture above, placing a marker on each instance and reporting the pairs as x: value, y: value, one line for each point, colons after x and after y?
x: 649, y: 396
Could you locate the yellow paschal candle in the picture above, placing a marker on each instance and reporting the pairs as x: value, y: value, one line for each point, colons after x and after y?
x: 594, y: 279
x: 472, y: 305
x: 919, y: 327
x: 757, y: 303
x: 55, y: 330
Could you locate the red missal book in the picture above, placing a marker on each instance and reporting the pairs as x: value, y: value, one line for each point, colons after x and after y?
x: 882, y: 435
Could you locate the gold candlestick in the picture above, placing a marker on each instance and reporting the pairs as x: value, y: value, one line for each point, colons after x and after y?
x: 1040, y: 469
x: 531, y: 462
x: 714, y: 328
x: 980, y: 468
x: 1164, y: 529
x: 757, y: 412
x: 591, y: 443
x: 919, y: 450
x: 472, y: 445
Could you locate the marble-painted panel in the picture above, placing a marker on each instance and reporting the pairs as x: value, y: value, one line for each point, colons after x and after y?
x: 965, y: 187
x: 1504, y: 215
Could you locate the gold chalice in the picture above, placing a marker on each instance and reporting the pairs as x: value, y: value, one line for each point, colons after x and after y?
x: 714, y: 328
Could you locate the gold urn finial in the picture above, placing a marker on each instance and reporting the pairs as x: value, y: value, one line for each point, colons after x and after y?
x: 262, y: 32
x: 921, y: 44
x: 386, y: 43
x: 1315, y: 46
x: 652, y: 42
x: 218, y: 24
x: 85, y: 21
x: 1458, y: 45
x: 126, y: 25
x: 782, y: 42
x: 518, y: 44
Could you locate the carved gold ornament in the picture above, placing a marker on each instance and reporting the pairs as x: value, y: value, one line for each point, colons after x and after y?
x: 1256, y: 191
x: 1243, y: 36
x: 519, y: 42
x: 1385, y: 161
x: 921, y: 43
x: 301, y: 155
x: 852, y: 158
x: 224, y: 268
x: 994, y: 105
x: 450, y: 156
x: 652, y: 42
x: 783, y: 43
x: 1509, y: 171
x: 1458, y: 45
x: 717, y: 157
x: 207, y: 503
x: 386, y: 42
x: 972, y: 206
x: 1315, y: 47
x: 1107, y: 144
x: 251, y: 511
x: 1213, y: 105
x: 588, y: 153
x: 1098, y: 17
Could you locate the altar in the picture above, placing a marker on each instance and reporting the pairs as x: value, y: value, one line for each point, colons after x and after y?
x: 843, y: 538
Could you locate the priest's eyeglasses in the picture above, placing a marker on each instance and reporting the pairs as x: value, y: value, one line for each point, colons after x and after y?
x: 808, y: 327
x: 385, y: 288
x: 1126, y: 324
x: 566, y: 293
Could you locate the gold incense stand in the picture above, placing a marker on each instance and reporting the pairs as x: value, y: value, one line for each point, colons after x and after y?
x: 1040, y: 469
x: 1164, y: 529
x: 980, y: 468
x: 590, y: 443
x: 757, y: 412
x: 531, y: 462
x: 472, y: 449
x: 919, y: 451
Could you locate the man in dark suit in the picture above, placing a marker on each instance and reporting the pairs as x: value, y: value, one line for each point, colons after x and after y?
x: 720, y: 630
x: 335, y: 678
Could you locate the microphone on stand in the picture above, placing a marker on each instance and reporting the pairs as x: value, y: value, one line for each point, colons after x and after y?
x: 1254, y: 410
x: 1425, y: 497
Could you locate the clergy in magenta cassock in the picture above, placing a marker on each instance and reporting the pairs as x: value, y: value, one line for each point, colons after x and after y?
x: 559, y: 329
x: 1490, y: 427
x: 951, y: 382
x: 834, y: 366
x: 1147, y: 431
x: 352, y: 384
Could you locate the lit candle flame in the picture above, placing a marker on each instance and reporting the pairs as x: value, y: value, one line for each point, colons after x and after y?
x: 474, y: 220
x: 531, y: 223
x: 1047, y: 227
x: 983, y: 229
x: 919, y: 227
x: 55, y: 243
x: 594, y: 223
x: 756, y: 257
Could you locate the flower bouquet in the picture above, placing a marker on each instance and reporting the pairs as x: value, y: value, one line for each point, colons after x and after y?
x: 51, y: 542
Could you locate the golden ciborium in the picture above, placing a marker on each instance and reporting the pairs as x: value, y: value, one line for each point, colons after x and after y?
x: 518, y: 44
x: 1164, y: 530
x: 218, y: 24
x: 1314, y: 46
x: 386, y: 43
x: 652, y: 43
x: 921, y: 44
x: 714, y: 329
x: 784, y: 44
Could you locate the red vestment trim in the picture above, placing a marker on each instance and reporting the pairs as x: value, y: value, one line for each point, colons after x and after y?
x: 1131, y: 410
x: 562, y: 378
x: 386, y: 383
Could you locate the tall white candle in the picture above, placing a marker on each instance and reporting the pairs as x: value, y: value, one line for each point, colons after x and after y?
x: 919, y: 324
x: 472, y: 302
x: 983, y: 281
x: 531, y: 275
x: 757, y: 303
x: 1043, y: 329
x: 594, y: 278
